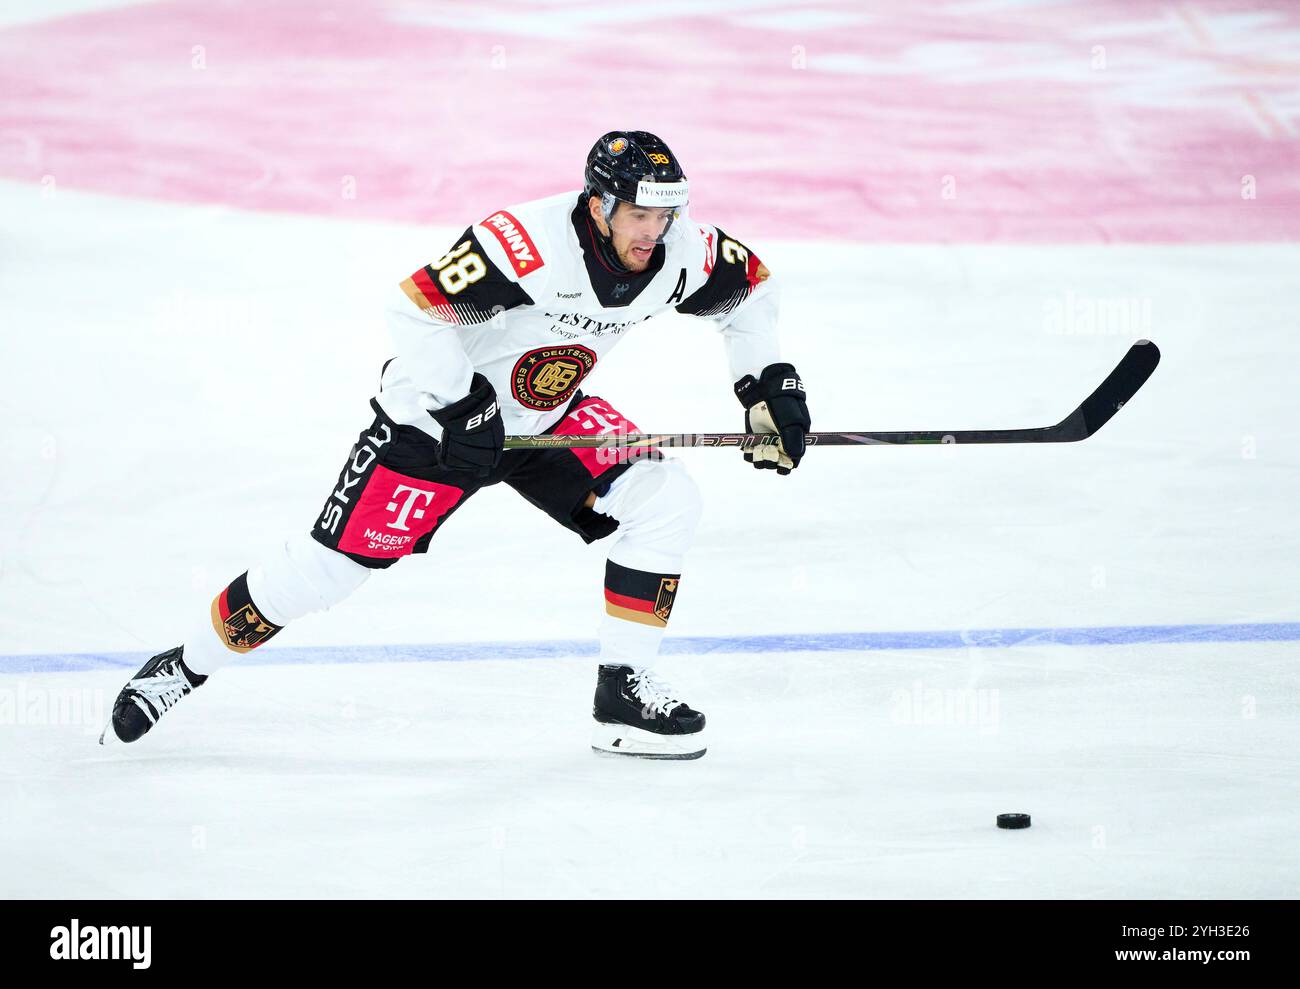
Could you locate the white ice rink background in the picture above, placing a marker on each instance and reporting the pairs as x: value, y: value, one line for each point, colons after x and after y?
x: 892, y: 645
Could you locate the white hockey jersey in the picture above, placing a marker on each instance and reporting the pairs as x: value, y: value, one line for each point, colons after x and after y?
x: 528, y: 299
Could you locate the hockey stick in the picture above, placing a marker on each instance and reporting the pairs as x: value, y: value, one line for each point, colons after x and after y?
x: 1097, y: 409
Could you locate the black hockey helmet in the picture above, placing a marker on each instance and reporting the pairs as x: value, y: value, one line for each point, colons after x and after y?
x: 635, y: 167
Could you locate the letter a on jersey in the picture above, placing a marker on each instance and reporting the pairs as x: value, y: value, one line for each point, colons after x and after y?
x: 680, y: 290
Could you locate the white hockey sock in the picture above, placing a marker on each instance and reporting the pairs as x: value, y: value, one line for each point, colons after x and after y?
x: 303, y: 577
x: 658, y: 507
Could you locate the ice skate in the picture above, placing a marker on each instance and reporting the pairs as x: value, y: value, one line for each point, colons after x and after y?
x: 149, y: 695
x: 638, y: 714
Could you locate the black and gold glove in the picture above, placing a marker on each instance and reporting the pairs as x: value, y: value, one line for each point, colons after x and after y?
x: 775, y: 402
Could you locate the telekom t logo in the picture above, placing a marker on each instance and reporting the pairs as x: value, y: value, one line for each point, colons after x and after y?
x: 589, y: 418
x: 409, y: 511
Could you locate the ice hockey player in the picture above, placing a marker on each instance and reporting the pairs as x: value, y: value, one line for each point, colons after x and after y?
x: 494, y: 338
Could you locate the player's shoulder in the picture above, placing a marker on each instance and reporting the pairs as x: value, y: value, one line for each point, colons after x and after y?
x: 699, y: 240
x: 715, y: 241
x: 707, y: 248
x: 721, y: 271
x: 522, y: 239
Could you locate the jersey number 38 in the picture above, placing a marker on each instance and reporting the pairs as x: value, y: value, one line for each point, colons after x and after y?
x: 456, y: 269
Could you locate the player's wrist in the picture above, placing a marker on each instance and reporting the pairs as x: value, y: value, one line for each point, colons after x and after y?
x: 460, y: 413
x: 473, y: 435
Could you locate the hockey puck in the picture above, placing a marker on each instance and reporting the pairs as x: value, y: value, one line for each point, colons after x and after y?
x: 1013, y: 821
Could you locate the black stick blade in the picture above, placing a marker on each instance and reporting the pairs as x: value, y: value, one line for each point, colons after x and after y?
x: 1120, y: 385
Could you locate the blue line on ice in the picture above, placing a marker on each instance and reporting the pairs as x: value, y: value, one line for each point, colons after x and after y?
x: 989, y: 638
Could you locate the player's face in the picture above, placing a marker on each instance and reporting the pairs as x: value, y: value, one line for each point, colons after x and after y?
x: 635, y: 230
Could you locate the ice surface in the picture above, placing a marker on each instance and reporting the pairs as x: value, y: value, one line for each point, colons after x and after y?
x: 181, y: 381
x: 827, y: 775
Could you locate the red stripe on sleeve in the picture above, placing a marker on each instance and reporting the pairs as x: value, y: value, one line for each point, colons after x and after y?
x: 433, y: 295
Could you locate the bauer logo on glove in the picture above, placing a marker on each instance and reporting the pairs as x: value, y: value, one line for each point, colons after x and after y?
x: 775, y: 403
x: 473, y: 435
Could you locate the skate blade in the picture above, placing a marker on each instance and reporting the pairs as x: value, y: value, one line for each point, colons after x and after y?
x: 624, y: 740
x: 108, y: 736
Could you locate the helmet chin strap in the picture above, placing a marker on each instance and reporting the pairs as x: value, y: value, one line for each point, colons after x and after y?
x: 605, y: 241
x: 610, y: 256
x: 608, y: 203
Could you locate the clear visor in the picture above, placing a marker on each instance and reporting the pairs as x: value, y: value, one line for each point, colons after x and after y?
x: 644, y: 224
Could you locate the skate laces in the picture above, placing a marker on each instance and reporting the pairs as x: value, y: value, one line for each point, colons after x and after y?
x: 161, y: 691
x: 654, y: 693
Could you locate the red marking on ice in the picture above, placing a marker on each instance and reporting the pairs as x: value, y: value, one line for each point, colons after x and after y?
x: 849, y: 120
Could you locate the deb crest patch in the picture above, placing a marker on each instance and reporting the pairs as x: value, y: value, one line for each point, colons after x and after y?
x: 545, y: 378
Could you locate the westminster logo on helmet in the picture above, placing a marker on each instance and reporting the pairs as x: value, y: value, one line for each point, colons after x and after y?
x: 618, y: 146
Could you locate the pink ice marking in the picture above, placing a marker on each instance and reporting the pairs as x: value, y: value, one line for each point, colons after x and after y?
x: 1104, y: 120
